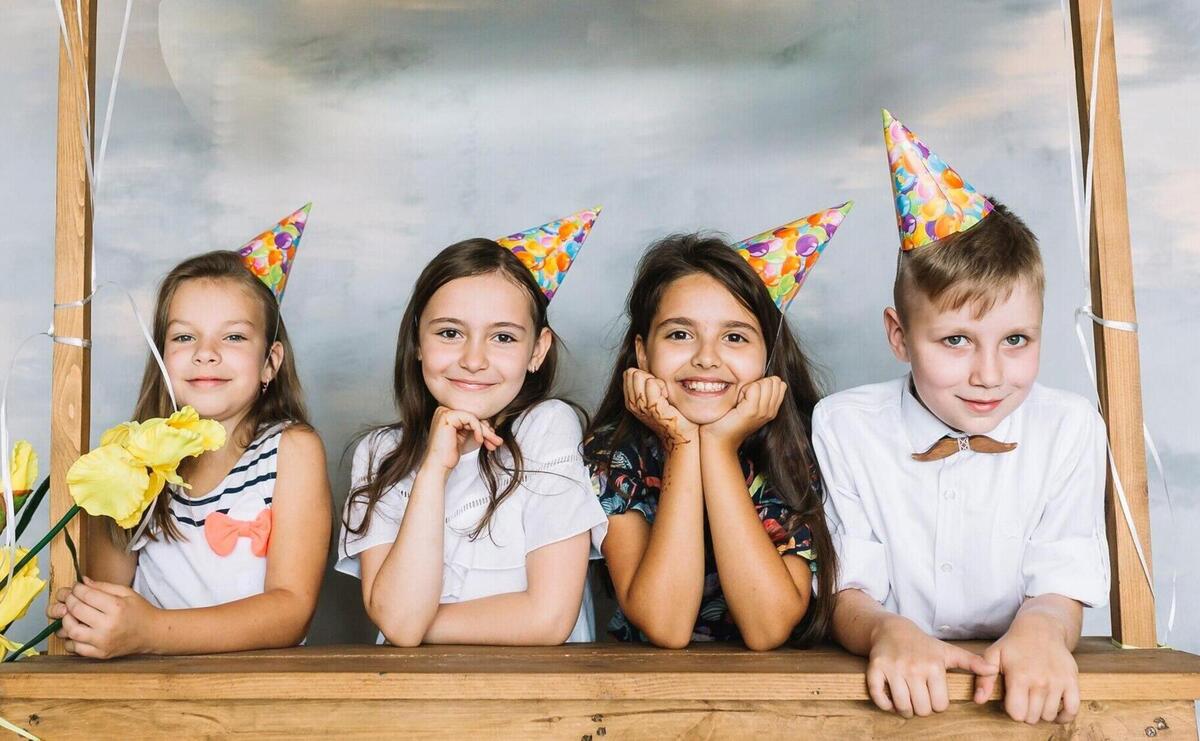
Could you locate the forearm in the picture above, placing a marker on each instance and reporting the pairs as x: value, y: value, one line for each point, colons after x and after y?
x: 764, y: 600
x: 663, y: 598
x: 405, y: 592
x: 104, y: 560
x: 277, y: 618
x: 514, y: 619
x: 858, y: 621
x: 1051, y: 612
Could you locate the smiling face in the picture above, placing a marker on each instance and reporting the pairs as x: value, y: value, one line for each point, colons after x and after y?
x: 705, y: 345
x: 215, y: 349
x: 476, y: 342
x: 970, y: 371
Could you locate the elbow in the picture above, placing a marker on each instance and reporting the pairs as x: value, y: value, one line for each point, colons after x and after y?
x: 770, y: 634
x: 766, y: 640
x: 399, y: 630
x: 662, y: 630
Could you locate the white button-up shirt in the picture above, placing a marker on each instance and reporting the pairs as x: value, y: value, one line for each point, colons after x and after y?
x: 957, y: 544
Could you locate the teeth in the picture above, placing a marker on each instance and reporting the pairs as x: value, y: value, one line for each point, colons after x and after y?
x: 705, y: 387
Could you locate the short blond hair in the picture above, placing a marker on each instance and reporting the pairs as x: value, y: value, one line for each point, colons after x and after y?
x: 979, y: 266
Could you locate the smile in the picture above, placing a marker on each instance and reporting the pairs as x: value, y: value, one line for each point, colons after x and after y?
x: 982, y: 407
x: 207, y: 382
x: 470, y: 385
x: 705, y: 388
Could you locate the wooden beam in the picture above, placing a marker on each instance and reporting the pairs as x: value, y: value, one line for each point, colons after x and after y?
x: 70, y: 403
x: 1118, y: 368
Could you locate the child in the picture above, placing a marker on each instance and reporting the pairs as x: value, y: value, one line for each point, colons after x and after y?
x: 235, y: 562
x: 965, y: 498
x: 700, y: 447
x: 470, y: 519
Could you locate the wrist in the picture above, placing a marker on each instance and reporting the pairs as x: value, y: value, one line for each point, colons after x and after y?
x: 712, y: 438
x: 431, y: 471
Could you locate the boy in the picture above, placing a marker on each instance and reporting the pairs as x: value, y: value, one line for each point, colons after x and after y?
x: 966, y: 500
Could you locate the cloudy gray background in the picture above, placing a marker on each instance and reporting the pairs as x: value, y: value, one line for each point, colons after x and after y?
x: 413, y: 124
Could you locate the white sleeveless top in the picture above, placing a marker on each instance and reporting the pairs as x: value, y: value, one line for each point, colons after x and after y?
x: 184, y: 573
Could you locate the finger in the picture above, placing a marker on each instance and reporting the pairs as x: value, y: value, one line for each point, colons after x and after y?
x: 85, y: 613
x: 55, y: 610
x: 69, y: 646
x: 1037, y: 699
x: 75, y: 630
x: 1053, y: 703
x: 900, y: 699
x: 87, y: 650
x: 1016, y: 699
x: 1070, y: 704
x: 960, y: 658
x: 490, y: 437
x: 877, y: 689
x: 93, y: 597
x: 984, y: 686
x: 61, y: 594
x: 939, y: 695
x: 116, y: 590
x: 778, y: 397
x: 918, y: 692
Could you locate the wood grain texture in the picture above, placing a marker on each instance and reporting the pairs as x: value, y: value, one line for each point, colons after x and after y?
x: 1117, y: 362
x: 70, y: 402
x: 592, y: 720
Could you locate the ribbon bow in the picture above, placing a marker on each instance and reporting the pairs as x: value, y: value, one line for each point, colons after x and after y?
x: 222, y: 532
x: 948, y: 446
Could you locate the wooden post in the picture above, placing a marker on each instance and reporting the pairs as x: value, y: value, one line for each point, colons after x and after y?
x: 70, y: 403
x: 1118, y: 370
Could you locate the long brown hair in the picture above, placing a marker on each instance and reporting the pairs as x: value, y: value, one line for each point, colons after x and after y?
x: 283, y: 400
x: 416, y: 405
x: 781, y: 449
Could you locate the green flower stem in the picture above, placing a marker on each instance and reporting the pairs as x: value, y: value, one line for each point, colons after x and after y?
x: 70, y: 515
x: 51, y: 628
x: 29, y: 507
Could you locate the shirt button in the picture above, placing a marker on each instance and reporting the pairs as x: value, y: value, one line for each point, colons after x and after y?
x: 944, y: 628
x: 948, y: 494
x: 947, y: 567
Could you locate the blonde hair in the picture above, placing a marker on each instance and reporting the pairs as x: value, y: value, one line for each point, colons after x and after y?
x: 979, y: 266
x: 281, y: 402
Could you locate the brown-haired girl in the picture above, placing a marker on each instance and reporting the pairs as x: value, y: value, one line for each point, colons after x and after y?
x: 701, y: 458
x: 470, y: 518
x: 235, y: 561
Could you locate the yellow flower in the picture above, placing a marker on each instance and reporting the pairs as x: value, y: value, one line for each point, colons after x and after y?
x: 212, y: 434
x: 157, y: 480
x: 23, y: 466
x: 119, y: 435
x: 10, y: 646
x: 162, y: 447
x: 109, y: 481
x: 18, y: 593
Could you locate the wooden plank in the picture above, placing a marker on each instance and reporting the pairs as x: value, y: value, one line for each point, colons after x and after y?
x: 611, y: 671
x: 588, y: 720
x: 70, y: 403
x: 1117, y: 363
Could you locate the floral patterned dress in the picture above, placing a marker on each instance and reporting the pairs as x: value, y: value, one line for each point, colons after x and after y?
x: 632, y: 481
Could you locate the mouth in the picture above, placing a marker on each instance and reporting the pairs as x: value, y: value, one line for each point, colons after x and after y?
x: 704, y: 387
x: 469, y: 385
x: 981, y: 406
x: 207, y: 382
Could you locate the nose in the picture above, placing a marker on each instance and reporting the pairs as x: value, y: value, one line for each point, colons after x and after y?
x: 474, y: 355
x: 707, y: 355
x: 986, y: 371
x: 205, y: 354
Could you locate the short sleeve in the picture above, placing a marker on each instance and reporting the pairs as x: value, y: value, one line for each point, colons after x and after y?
x: 389, y: 510
x: 774, y: 513
x: 1067, y: 552
x: 557, y: 491
x: 862, y: 559
x: 621, y: 481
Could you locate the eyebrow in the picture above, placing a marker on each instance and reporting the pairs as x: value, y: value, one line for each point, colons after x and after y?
x: 732, y: 324
x: 231, y: 323
x: 461, y: 323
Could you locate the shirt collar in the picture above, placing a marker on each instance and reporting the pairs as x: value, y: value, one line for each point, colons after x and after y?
x: 924, y: 428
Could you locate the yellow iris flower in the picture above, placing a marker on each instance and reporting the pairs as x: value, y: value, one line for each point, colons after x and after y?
x: 23, y: 467
x: 19, y: 593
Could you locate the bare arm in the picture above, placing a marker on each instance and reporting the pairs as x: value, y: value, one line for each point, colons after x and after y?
x: 104, y: 560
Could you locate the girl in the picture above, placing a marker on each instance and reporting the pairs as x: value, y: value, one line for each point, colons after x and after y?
x: 701, y: 459
x: 181, y: 588
x: 470, y: 519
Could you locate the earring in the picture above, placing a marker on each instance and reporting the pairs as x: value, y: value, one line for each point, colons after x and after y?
x: 264, y: 386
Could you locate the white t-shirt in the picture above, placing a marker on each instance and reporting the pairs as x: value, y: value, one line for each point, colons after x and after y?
x: 957, y: 544
x: 554, y: 503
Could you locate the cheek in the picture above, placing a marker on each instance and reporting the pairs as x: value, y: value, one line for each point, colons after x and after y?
x: 1023, y: 369
x: 938, y: 368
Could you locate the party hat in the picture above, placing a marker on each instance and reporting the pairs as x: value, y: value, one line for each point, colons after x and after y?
x: 269, y: 255
x: 932, y: 200
x: 548, y: 250
x: 783, y: 256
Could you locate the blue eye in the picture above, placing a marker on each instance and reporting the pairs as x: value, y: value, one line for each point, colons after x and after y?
x: 236, y: 337
x: 955, y: 341
x: 1016, y: 340
x: 182, y: 338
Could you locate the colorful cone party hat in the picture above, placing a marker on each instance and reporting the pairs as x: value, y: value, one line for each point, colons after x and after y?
x: 932, y: 200
x: 269, y: 255
x: 783, y: 256
x: 548, y: 250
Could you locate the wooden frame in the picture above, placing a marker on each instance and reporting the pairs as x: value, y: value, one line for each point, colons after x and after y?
x: 584, y: 691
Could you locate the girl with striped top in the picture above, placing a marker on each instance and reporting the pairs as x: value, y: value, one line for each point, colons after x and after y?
x: 235, y: 561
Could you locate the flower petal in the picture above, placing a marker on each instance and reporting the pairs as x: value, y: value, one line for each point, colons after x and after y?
x: 23, y: 466
x: 119, y: 435
x: 108, y: 481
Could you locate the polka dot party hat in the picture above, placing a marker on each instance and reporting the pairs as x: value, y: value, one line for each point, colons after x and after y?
x: 932, y: 200
x: 783, y: 256
x: 269, y: 255
x: 548, y: 250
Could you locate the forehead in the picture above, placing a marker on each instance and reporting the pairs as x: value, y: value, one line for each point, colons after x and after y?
x: 481, y: 299
x: 1021, y: 306
x: 703, y: 299
x: 214, y: 300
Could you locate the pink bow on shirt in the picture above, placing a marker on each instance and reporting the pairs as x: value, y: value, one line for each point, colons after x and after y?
x: 222, y: 532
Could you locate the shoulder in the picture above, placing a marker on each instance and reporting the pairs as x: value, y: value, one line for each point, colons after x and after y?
x: 1059, y: 411
x: 549, y: 424
x: 377, y: 443
x: 299, y: 444
x: 872, y: 402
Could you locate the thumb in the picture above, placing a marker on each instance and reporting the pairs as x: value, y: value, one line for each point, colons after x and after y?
x: 960, y: 658
x: 985, y: 680
x: 115, y: 590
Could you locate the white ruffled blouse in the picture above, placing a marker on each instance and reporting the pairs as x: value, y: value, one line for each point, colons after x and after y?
x: 555, y: 502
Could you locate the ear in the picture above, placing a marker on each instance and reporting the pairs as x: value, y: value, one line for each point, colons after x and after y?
x: 639, y: 346
x: 273, y: 364
x: 540, y: 348
x: 894, y: 329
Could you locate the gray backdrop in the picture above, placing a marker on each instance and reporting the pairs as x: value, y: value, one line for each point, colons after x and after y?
x: 413, y: 124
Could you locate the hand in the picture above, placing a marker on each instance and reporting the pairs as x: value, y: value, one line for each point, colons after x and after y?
x: 758, y: 403
x: 907, y: 669
x: 1041, y: 679
x: 646, y: 398
x: 102, y: 620
x: 449, y: 434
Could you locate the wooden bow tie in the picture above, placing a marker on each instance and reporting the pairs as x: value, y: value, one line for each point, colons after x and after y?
x: 948, y: 446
